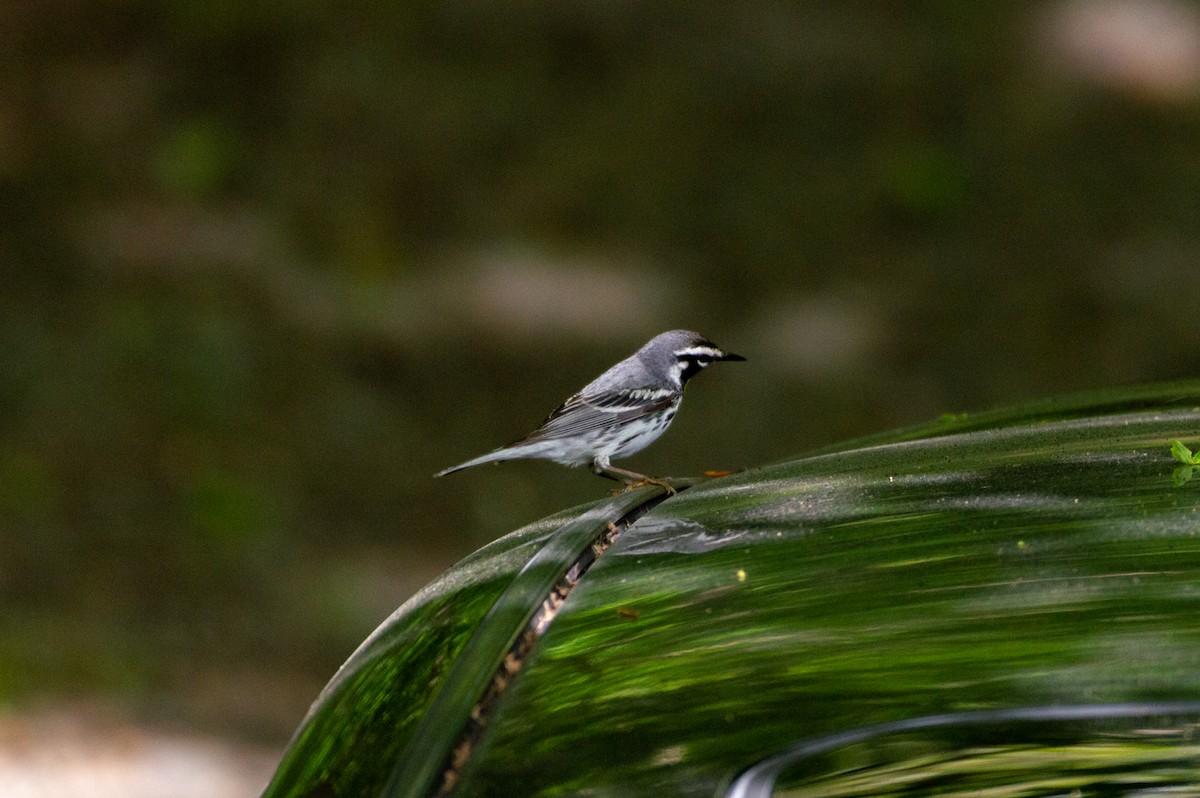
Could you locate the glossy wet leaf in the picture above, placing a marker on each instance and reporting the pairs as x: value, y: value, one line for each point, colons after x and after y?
x: 1017, y: 558
x: 387, y: 721
x: 1030, y: 559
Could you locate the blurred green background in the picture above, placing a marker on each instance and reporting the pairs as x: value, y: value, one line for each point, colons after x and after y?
x: 266, y: 269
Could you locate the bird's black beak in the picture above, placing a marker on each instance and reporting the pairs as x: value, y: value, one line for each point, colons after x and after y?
x: 730, y: 356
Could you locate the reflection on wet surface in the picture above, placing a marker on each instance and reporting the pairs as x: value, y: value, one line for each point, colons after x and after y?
x: 1110, y: 750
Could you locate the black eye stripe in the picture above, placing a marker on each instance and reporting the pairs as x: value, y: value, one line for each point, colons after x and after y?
x: 691, y: 365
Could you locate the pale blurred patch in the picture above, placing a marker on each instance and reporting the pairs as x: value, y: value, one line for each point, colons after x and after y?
x: 1147, y: 48
x: 507, y: 295
x: 525, y: 294
x: 515, y: 293
x: 817, y: 336
x: 73, y: 753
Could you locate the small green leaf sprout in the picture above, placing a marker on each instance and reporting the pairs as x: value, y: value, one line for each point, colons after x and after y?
x: 1183, y: 454
x: 1190, y: 460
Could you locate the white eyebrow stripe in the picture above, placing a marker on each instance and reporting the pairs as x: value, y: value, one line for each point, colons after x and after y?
x: 699, y: 351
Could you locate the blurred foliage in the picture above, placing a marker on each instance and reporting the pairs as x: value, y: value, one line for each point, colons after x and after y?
x: 265, y: 270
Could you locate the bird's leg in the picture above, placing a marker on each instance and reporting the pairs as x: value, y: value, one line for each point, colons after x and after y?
x: 632, y: 479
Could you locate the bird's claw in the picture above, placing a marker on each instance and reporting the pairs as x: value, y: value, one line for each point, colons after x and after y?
x: 665, y: 484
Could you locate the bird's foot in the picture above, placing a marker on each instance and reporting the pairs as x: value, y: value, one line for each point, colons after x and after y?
x: 663, y: 482
x: 642, y: 482
x: 632, y: 479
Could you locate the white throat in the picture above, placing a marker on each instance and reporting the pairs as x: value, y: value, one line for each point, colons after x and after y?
x: 677, y: 373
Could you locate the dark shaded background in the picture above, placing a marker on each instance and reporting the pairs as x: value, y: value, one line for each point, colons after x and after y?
x: 265, y: 270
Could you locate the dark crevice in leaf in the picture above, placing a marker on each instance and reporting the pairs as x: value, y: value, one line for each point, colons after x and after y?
x: 521, y: 648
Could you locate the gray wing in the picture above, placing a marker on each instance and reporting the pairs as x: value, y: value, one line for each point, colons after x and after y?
x: 581, y: 414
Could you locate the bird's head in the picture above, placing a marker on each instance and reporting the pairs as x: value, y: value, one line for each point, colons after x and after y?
x: 682, y: 354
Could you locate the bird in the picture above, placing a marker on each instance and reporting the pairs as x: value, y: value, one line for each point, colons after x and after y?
x: 619, y: 413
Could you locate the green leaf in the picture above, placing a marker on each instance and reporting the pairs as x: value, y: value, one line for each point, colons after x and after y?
x: 1183, y: 454
x: 1036, y: 556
